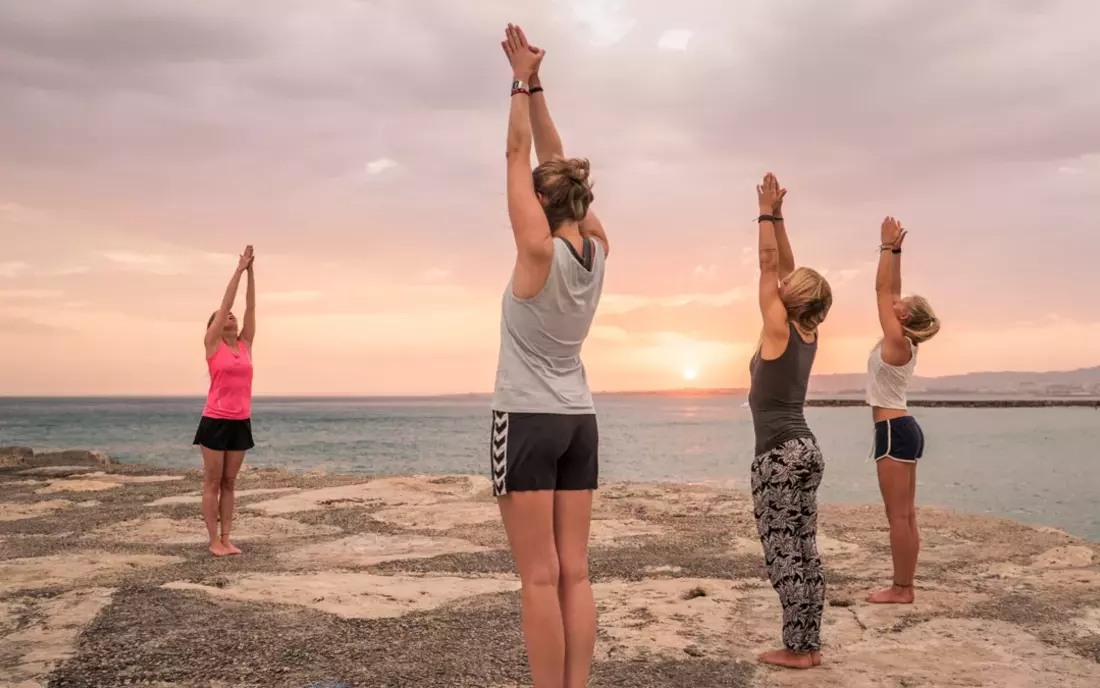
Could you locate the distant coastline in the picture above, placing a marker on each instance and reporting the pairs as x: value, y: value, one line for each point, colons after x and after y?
x: 944, y: 399
x: 939, y: 400
x: 969, y: 403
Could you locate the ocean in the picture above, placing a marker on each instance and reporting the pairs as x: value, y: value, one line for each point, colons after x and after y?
x: 1037, y: 465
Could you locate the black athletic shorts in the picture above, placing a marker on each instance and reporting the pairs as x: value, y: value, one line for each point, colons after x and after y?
x: 900, y: 439
x: 543, y: 451
x: 222, y: 434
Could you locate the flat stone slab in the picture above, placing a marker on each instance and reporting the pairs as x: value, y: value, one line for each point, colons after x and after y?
x: 196, y: 497
x: 17, y: 511
x: 246, y: 527
x: 68, y: 569
x: 404, y: 491
x: 133, y: 479
x: 37, y: 647
x: 57, y: 470
x: 94, y: 482
x: 374, y: 548
x: 77, y: 485
x: 355, y: 595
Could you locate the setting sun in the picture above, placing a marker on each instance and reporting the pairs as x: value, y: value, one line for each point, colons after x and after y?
x: 690, y: 373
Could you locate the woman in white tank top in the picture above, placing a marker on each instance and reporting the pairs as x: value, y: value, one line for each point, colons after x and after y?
x: 544, y: 444
x: 898, y: 439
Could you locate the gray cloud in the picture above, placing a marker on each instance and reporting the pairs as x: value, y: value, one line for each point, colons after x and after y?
x: 21, y: 327
x: 125, y: 33
x: 265, y: 114
x: 925, y: 81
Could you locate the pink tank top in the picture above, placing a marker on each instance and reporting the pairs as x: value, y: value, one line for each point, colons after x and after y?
x: 230, y: 394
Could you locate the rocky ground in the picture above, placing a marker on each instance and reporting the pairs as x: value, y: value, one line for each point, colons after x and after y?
x: 407, y: 581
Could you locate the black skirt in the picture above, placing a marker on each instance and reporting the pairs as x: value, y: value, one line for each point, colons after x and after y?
x: 222, y: 434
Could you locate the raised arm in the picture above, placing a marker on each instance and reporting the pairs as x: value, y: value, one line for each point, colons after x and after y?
x: 530, y: 228
x: 214, y: 331
x: 786, y: 256
x: 248, y: 331
x: 895, y: 348
x: 548, y: 145
x: 591, y: 227
x: 772, y: 309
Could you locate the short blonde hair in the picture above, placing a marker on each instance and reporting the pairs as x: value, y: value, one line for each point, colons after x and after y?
x: 808, y: 298
x: 922, y: 323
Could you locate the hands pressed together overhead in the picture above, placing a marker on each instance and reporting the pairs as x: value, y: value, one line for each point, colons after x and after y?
x: 524, y: 57
x: 893, y: 234
x: 770, y: 196
x: 244, y: 261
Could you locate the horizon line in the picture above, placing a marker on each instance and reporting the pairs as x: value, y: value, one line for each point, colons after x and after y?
x: 666, y: 390
x: 687, y: 391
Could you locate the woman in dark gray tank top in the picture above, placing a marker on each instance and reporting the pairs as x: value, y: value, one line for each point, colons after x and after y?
x: 544, y: 441
x: 788, y: 465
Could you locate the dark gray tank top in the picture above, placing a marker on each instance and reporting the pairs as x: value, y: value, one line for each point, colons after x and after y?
x: 778, y: 393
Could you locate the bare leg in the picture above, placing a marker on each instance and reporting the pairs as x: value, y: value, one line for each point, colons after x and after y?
x: 914, y: 531
x: 572, y: 522
x: 233, y: 462
x: 213, y: 462
x: 896, y: 480
x: 529, y: 522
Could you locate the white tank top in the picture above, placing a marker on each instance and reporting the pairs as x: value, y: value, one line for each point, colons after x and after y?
x: 540, y: 368
x: 887, y: 385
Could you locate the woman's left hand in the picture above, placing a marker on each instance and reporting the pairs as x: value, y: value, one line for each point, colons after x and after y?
x: 777, y: 206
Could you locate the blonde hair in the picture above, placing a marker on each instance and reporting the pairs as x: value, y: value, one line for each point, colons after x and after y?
x: 922, y: 323
x: 808, y: 298
x: 565, y: 189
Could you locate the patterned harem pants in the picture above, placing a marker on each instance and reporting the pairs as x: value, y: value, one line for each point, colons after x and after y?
x: 784, y: 494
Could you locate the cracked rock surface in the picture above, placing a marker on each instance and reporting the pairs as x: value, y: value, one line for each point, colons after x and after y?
x: 407, y: 581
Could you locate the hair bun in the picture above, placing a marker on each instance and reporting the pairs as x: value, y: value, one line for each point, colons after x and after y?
x: 564, y: 186
x: 577, y: 169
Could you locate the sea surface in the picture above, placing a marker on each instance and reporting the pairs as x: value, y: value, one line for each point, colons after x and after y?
x: 1037, y: 465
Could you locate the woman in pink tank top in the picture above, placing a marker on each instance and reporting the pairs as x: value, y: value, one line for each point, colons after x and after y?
x: 225, y: 430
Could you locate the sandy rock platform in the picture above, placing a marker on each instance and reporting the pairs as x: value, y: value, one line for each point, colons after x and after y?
x: 407, y: 581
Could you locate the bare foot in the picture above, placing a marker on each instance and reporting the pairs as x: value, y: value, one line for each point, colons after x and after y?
x: 230, y: 548
x: 892, y: 595
x: 788, y: 659
x: 816, y: 657
x: 218, y: 549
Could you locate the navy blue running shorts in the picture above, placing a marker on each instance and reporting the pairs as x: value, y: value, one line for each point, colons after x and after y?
x: 900, y: 439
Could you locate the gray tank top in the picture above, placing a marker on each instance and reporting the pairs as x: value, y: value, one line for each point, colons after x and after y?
x: 778, y: 393
x: 540, y: 369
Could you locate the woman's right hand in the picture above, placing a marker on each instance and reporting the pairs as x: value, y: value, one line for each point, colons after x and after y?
x: 244, y: 262
x: 524, y: 57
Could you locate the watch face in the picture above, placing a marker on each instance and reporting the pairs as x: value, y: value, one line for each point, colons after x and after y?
x: 518, y: 83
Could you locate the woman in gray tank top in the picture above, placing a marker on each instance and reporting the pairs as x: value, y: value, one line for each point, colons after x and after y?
x: 544, y: 440
x: 788, y: 465
x: 898, y: 438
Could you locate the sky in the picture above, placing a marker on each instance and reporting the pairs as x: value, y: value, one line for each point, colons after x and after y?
x: 359, y: 146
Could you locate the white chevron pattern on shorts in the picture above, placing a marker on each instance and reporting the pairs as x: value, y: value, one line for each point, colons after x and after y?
x: 498, y: 453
